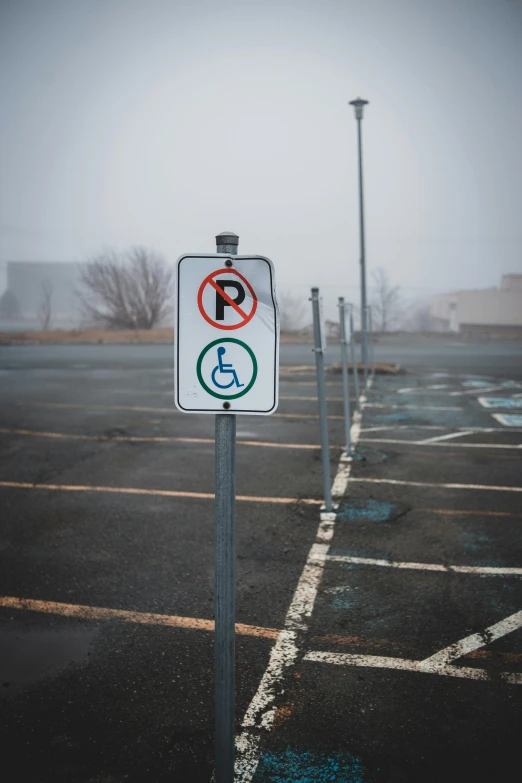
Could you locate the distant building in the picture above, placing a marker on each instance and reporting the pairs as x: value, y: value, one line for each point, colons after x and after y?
x: 489, y: 311
x: 26, y: 285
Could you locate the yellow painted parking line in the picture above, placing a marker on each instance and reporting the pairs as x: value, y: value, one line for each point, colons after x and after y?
x: 88, y: 612
x: 106, y: 614
x: 284, y: 397
x: 168, y: 493
x: 311, y: 383
x: 307, y: 399
x: 146, y: 409
x: 141, y: 618
x: 154, y: 439
x: 457, y: 512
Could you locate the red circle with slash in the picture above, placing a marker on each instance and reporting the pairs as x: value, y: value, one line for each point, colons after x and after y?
x: 210, y: 280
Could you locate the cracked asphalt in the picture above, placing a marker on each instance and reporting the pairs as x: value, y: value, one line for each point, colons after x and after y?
x: 106, y: 594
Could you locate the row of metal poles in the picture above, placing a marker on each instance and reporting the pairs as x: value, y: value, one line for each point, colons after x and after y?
x: 225, y: 509
x: 347, y: 344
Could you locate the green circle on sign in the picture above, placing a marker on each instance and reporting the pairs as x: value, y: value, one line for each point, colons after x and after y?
x: 219, y: 342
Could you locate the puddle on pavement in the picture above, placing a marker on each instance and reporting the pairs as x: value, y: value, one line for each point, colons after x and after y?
x: 29, y: 656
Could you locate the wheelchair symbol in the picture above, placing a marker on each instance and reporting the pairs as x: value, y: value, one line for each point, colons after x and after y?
x: 224, y: 369
x: 221, y: 380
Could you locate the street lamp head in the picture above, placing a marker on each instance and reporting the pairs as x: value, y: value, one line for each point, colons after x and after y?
x: 358, y: 104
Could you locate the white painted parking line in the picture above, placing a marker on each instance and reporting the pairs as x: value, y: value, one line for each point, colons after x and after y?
x: 401, y: 483
x: 416, y: 407
x: 404, y: 442
x: 474, y: 391
x: 440, y: 662
x: 394, y: 427
x: 443, y: 389
x: 423, y: 389
x: 449, y: 436
x: 381, y: 662
x: 459, y: 569
x: 341, y: 480
x: 473, y: 642
x: 262, y: 708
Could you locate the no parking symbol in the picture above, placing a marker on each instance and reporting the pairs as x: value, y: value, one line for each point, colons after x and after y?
x: 226, y: 299
x: 212, y: 371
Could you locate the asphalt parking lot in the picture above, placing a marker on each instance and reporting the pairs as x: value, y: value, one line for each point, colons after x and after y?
x: 379, y: 643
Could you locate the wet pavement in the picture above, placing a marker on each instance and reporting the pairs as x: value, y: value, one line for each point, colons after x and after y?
x: 106, y: 585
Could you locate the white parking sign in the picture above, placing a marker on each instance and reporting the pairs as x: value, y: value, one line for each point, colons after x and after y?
x: 226, y: 335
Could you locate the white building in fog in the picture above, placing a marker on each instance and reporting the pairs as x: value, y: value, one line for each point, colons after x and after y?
x: 25, y: 285
x: 484, y: 311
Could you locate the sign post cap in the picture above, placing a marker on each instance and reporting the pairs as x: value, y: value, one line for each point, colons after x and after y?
x: 227, y: 238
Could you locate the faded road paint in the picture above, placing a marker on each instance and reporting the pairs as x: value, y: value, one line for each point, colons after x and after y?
x: 460, y: 569
x: 305, y: 766
x: 154, y: 439
x: 399, y: 482
x: 123, y: 615
x: 440, y: 662
x: 146, y: 409
x: 262, y: 709
x: 167, y: 493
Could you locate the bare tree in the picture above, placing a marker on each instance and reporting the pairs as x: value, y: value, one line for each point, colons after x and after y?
x: 291, y: 311
x: 45, y: 309
x: 387, y: 303
x: 131, y: 290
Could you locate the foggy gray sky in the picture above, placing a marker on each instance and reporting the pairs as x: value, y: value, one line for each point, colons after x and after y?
x: 165, y: 122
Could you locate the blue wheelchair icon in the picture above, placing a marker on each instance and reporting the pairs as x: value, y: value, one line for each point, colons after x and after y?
x: 225, y: 369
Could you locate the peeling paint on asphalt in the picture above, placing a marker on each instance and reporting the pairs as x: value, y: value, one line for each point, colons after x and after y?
x: 293, y: 766
x: 370, y: 509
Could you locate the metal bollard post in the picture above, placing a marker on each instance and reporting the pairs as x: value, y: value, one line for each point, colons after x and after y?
x: 354, y: 362
x: 321, y: 394
x: 344, y: 368
x: 372, y: 354
x: 224, y: 598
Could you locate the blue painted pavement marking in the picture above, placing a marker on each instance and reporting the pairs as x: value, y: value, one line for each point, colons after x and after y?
x: 476, y: 383
x: 501, y: 402
x: 372, y: 510
x: 293, y: 766
x: 346, y: 597
x: 509, y: 419
x: 385, y: 418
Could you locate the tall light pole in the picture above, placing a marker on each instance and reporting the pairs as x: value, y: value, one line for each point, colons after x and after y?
x: 359, y: 105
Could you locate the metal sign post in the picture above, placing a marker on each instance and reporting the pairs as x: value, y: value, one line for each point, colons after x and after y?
x: 225, y: 576
x: 346, y: 387
x: 354, y: 362
x: 215, y: 371
x: 321, y: 394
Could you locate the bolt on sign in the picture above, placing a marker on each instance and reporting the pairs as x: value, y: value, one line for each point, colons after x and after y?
x: 226, y: 346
